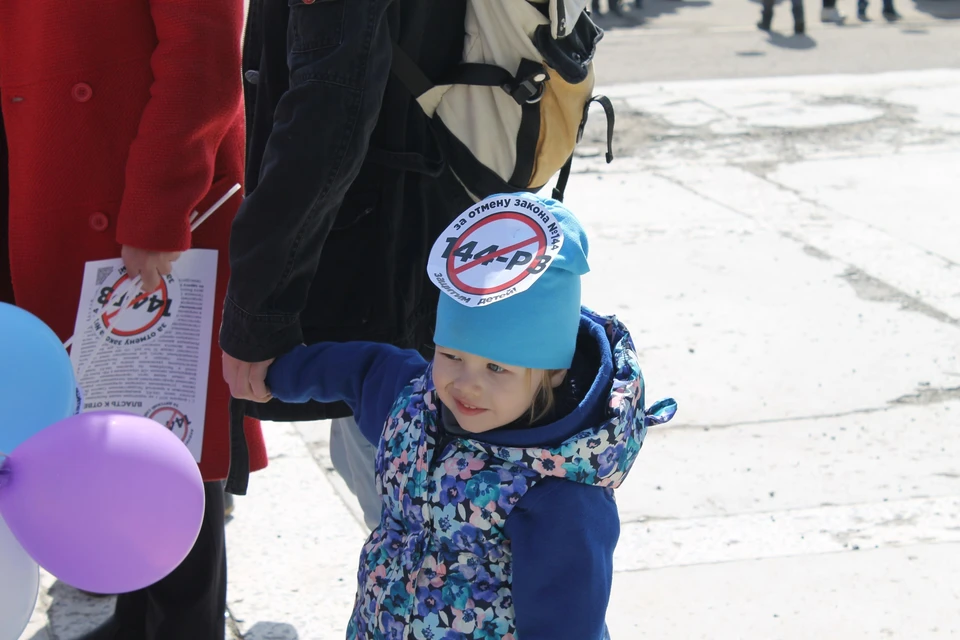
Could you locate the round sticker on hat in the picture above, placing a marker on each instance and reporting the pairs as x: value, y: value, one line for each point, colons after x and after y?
x: 495, y: 250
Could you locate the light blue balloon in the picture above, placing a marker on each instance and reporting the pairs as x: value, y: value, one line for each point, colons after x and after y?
x: 19, y: 585
x: 37, y: 385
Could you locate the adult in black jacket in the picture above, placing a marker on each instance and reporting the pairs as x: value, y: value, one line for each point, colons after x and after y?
x: 346, y: 190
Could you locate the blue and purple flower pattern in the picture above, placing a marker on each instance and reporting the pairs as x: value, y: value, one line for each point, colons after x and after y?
x: 438, y: 566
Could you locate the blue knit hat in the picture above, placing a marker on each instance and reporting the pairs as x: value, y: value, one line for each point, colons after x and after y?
x: 510, y: 270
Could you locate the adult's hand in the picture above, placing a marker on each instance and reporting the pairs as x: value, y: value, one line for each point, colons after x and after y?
x: 149, y: 265
x: 247, y: 380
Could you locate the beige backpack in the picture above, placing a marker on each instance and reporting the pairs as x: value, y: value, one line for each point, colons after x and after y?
x: 510, y: 115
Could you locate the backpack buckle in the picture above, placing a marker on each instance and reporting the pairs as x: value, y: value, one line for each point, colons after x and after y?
x: 528, y: 87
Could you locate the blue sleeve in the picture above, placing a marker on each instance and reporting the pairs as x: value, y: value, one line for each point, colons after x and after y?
x: 368, y: 376
x: 563, y: 534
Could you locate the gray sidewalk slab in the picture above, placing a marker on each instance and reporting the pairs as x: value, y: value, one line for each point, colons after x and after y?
x: 891, y: 456
x: 294, y: 548
x: 905, y: 593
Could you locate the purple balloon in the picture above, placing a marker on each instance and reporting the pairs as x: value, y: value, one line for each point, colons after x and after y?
x: 107, y: 502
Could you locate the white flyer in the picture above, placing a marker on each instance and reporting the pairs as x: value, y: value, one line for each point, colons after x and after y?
x: 148, y: 354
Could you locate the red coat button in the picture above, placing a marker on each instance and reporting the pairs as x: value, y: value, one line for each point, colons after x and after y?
x: 309, y: 1
x: 82, y: 92
x: 98, y: 221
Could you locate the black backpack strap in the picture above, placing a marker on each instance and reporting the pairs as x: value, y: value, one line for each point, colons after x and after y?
x: 525, y: 87
x: 478, y: 74
x: 405, y: 161
x: 238, y: 477
x: 608, y: 111
x: 409, y: 73
x: 529, y: 132
x: 562, y: 178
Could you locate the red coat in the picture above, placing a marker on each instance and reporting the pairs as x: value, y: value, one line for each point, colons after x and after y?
x: 122, y: 117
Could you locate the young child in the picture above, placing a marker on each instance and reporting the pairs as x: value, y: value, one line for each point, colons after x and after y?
x: 497, y: 461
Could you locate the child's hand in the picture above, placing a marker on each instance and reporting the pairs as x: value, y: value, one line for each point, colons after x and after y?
x: 247, y: 380
x: 149, y: 265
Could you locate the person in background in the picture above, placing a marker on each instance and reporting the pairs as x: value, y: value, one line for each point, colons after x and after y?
x: 766, y: 17
x: 121, y: 119
x: 614, y: 6
x: 830, y: 13
x: 889, y: 12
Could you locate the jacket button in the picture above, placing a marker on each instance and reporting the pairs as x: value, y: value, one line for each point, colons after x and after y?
x: 98, y: 221
x: 309, y: 1
x: 252, y: 76
x: 82, y: 92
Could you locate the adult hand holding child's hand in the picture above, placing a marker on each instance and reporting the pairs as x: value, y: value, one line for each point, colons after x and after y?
x: 247, y: 380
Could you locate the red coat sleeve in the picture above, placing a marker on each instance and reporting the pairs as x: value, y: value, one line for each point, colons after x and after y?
x: 194, y: 99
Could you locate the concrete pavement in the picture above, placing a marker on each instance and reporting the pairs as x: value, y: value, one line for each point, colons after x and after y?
x: 696, y: 39
x: 786, y: 252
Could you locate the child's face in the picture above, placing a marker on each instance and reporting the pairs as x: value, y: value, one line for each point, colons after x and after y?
x: 482, y: 394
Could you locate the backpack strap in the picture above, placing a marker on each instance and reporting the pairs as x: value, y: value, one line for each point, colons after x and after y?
x: 525, y: 87
x: 238, y: 476
x: 409, y: 73
x: 608, y: 111
x: 529, y: 132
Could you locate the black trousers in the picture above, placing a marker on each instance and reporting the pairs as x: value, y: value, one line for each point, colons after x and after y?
x: 190, y: 603
x: 797, y: 10
x: 887, y: 6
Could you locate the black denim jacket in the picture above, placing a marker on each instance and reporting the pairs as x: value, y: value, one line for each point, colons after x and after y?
x: 345, y: 191
x: 314, y: 108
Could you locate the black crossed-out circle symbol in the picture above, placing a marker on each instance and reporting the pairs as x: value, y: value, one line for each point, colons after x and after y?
x: 537, y: 237
x: 173, y: 419
x: 152, y: 318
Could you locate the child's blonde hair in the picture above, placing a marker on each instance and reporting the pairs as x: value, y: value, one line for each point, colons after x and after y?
x: 544, y: 400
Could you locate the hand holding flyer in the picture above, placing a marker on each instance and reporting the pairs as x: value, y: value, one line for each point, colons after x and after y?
x: 148, y: 353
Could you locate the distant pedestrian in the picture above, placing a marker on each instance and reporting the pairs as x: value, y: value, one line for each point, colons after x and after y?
x: 889, y: 12
x: 766, y: 17
x: 830, y: 13
x: 614, y: 6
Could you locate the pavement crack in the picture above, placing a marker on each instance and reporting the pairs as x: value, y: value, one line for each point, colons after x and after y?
x: 929, y: 395
x: 864, y: 285
x: 745, y: 423
x: 923, y: 396
x: 875, y: 290
x: 233, y: 627
x: 819, y: 254
x: 805, y: 554
x: 819, y: 205
x: 744, y: 136
x: 764, y: 513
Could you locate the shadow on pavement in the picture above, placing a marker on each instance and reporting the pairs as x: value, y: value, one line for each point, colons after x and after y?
x: 943, y: 9
x: 72, y: 613
x: 628, y: 18
x: 657, y: 8
x: 799, y: 43
x: 271, y: 631
x: 631, y: 15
